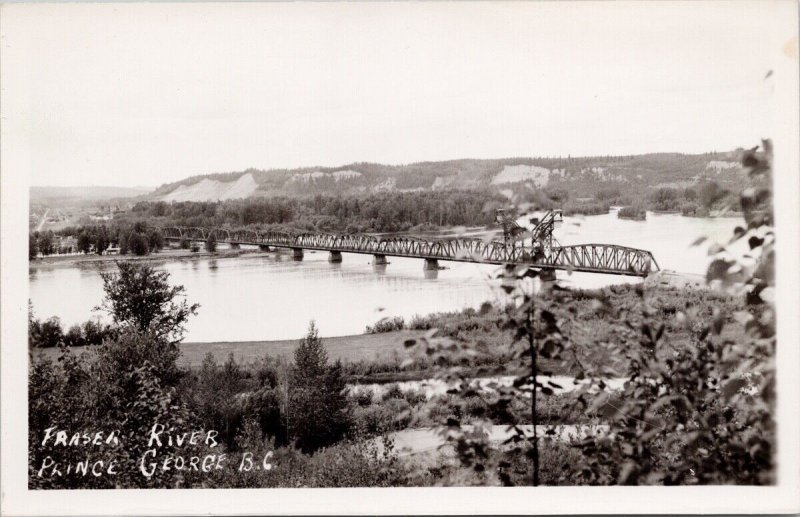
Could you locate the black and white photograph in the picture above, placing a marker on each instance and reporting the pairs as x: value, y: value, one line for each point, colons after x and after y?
x: 532, y: 247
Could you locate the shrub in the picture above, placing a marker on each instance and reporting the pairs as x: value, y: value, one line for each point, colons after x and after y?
x: 665, y: 199
x: 33, y: 246
x: 155, y: 239
x: 45, y: 334
x: 366, y: 463
x: 394, y: 392
x: 211, y: 243
x: 364, y: 397
x: 372, y: 420
x: 320, y: 414
x: 692, y: 209
x: 386, y: 325
x: 138, y: 244
x: 414, y: 397
x: 636, y: 213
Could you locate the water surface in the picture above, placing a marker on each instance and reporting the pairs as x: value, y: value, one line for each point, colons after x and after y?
x: 270, y: 296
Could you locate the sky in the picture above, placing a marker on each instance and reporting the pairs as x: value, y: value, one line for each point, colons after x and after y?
x: 145, y: 94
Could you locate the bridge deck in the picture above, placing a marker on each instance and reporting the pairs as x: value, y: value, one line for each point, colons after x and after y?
x: 592, y: 258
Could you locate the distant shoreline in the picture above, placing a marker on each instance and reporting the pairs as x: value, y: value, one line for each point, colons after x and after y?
x: 163, y: 255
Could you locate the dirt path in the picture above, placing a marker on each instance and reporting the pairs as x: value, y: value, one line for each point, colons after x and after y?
x: 42, y: 220
x: 435, y: 387
x: 430, y: 440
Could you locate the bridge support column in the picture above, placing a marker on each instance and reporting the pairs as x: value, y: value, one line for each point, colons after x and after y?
x: 297, y: 253
x: 335, y: 257
x: 235, y: 246
x: 379, y: 260
x: 431, y: 265
x: 264, y: 247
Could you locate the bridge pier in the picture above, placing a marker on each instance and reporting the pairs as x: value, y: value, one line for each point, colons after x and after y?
x: 297, y: 253
x: 335, y: 257
x: 264, y: 247
x: 547, y: 275
x: 379, y: 260
x: 431, y: 265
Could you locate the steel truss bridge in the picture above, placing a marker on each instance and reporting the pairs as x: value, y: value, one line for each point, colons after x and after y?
x: 539, y: 250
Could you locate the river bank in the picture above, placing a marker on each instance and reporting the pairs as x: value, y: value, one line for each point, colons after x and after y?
x: 166, y: 254
x: 360, y: 347
x: 382, y: 357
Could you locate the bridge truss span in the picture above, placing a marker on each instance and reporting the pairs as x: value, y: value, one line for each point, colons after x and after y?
x: 602, y: 258
x: 593, y: 258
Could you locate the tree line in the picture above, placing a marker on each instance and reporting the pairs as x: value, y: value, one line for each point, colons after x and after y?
x: 381, y: 212
x: 135, y: 238
x: 50, y: 333
x: 699, y: 200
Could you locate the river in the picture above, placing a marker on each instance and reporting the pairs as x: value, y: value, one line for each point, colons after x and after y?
x: 269, y: 296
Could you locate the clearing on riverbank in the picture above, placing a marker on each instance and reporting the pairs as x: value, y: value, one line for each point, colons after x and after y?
x: 363, y: 347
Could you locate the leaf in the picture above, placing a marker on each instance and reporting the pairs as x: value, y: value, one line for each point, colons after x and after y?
x: 659, y: 333
x: 598, y: 402
x: 755, y: 242
x: 717, y: 323
x: 742, y: 317
x: 627, y: 469
x: 732, y: 387
x: 647, y: 332
x: 718, y: 269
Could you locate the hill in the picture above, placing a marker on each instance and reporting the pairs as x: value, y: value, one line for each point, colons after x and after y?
x: 581, y: 177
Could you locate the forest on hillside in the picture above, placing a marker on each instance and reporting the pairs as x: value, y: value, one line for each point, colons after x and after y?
x: 584, y: 175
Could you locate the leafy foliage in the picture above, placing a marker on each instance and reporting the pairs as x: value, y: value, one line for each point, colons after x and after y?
x: 318, y: 406
x: 33, y: 246
x: 688, y: 412
x: 632, y: 212
x: 139, y: 297
x: 211, y: 243
x: 49, y: 333
x: 123, y: 388
x: 703, y: 413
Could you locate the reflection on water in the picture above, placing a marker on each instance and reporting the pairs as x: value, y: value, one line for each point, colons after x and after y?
x: 431, y: 274
x: 270, y: 296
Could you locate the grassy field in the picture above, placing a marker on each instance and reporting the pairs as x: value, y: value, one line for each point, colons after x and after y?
x: 364, y: 347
